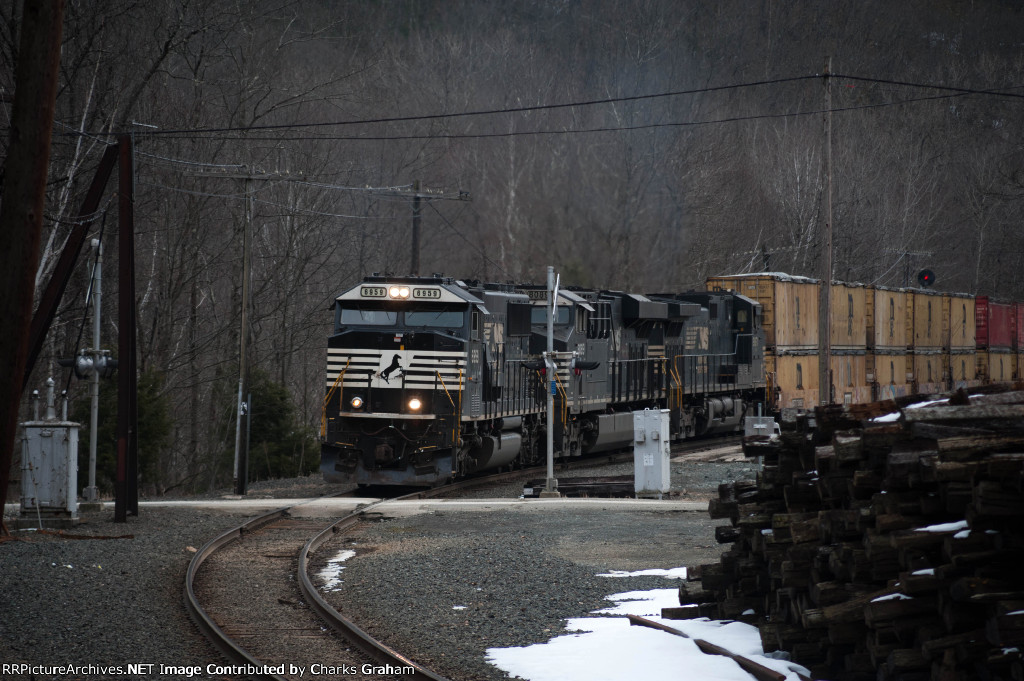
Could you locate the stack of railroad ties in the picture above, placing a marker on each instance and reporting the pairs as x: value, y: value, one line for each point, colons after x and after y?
x: 881, y: 540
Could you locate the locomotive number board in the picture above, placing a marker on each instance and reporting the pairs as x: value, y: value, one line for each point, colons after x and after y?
x: 430, y: 293
x: 373, y: 292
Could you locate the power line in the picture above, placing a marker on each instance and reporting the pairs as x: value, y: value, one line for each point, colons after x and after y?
x: 606, y: 129
x: 243, y: 195
x: 207, y: 132
x: 463, y: 114
x: 470, y: 243
x: 1002, y: 92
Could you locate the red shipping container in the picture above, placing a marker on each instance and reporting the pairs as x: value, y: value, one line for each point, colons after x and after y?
x: 1019, y: 321
x: 995, y: 323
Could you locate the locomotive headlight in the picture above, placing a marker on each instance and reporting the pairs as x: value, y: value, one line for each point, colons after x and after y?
x: 356, y: 402
x: 415, y: 404
x: 398, y: 291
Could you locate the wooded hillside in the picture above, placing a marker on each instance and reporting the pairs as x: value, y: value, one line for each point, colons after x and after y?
x: 688, y: 142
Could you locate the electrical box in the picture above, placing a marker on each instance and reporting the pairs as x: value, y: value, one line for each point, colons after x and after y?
x: 651, y: 452
x: 760, y: 425
x: 49, y: 466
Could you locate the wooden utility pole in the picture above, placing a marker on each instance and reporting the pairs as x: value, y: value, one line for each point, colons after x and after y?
x: 241, y: 477
x: 825, y: 299
x: 414, y: 261
x: 126, y: 483
x: 21, y: 209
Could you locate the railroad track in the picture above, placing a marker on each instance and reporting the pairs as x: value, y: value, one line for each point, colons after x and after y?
x: 277, y: 536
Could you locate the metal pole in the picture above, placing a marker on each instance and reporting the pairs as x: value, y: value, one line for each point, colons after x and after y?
x: 90, y: 493
x: 248, y: 435
x: 551, y: 486
x: 241, y: 465
x: 825, y: 302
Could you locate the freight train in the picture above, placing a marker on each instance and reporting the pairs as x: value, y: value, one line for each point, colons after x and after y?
x: 885, y: 342
x: 431, y: 378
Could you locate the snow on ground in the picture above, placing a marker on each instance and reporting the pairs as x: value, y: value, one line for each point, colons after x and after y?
x: 606, y: 647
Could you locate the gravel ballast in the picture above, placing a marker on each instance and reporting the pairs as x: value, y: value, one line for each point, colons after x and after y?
x: 518, y: 574
x: 442, y: 587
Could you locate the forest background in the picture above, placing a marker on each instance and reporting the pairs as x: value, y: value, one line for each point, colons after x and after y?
x: 631, y: 144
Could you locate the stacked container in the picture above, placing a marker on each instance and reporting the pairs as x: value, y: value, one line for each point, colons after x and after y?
x: 925, y: 341
x: 959, y: 337
x: 1018, y: 338
x: 996, y: 335
x: 790, y: 312
x: 849, y: 343
x: 789, y: 307
x: 886, y: 318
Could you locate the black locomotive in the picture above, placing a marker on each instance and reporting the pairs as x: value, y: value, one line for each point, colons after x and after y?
x: 430, y: 379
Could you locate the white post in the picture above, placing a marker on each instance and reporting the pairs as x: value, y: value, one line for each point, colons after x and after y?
x: 551, y: 487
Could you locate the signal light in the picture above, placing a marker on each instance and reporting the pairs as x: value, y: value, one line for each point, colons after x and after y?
x: 925, y: 278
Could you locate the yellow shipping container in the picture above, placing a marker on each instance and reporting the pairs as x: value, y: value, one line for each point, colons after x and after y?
x: 789, y: 305
x: 958, y: 330
x: 929, y: 372
x: 794, y: 380
x: 849, y: 379
x: 886, y: 317
x: 797, y: 380
x: 847, y: 317
x: 962, y: 369
x: 996, y: 367
x: 887, y: 375
x: 924, y: 320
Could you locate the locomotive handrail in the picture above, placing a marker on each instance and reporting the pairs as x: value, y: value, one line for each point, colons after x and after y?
x: 449, y: 396
x: 330, y: 394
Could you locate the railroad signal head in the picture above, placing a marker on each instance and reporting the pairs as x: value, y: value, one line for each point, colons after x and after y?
x: 925, y: 278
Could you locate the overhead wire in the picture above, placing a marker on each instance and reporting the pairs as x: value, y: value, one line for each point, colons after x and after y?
x: 479, y: 250
x: 481, y: 112
x: 196, y: 133
x: 244, y: 195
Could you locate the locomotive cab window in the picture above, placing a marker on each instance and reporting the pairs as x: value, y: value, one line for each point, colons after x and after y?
x: 440, y: 318
x: 367, y: 316
x: 563, y: 315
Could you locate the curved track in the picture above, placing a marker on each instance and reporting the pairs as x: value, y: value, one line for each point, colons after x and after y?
x: 374, y: 649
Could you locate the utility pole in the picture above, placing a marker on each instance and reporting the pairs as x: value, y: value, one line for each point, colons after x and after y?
x: 414, y: 261
x: 240, y: 480
x: 241, y: 470
x: 418, y: 195
x: 825, y: 294
x: 126, y: 483
x: 21, y: 208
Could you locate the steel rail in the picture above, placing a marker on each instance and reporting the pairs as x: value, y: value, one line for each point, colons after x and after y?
x: 341, y: 624
x: 352, y: 632
x: 224, y: 643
